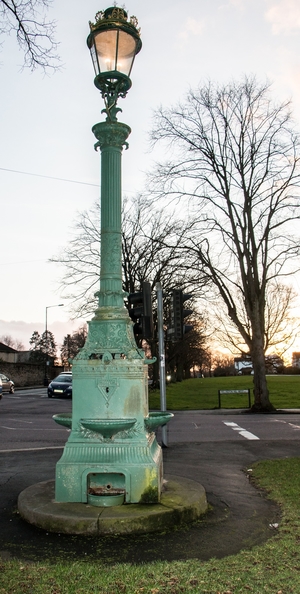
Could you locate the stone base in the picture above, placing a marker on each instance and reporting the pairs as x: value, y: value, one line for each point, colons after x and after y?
x: 182, y: 501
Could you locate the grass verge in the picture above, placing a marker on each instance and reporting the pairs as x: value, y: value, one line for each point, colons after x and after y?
x: 273, y: 568
x: 196, y: 394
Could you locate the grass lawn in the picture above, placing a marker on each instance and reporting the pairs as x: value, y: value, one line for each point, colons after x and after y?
x: 194, y: 394
x: 272, y: 568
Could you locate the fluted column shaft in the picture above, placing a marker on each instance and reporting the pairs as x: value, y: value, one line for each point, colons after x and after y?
x: 111, y: 138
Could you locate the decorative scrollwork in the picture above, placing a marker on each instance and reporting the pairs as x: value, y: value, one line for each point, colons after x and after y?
x: 134, y: 22
x: 116, y: 14
x: 111, y: 134
x: 99, y: 16
x: 133, y: 432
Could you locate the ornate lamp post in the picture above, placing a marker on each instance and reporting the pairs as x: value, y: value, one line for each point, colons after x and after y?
x: 112, y: 455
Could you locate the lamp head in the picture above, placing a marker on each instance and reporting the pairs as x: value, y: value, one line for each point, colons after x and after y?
x: 114, y: 42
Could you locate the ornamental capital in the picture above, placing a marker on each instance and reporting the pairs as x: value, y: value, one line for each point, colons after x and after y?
x: 111, y: 134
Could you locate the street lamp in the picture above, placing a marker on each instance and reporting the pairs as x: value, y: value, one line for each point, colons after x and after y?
x: 112, y: 455
x: 113, y: 42
x: 46, y: 379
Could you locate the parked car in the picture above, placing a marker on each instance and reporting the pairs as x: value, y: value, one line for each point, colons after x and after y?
x: 61, y: 385
x: 7, y: 384
x: 0, y: 388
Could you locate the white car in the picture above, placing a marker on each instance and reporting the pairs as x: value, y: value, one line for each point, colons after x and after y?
x: 7, y: 384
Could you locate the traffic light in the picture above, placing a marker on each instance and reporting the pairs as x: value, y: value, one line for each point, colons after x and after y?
x: 141, y: 311
x: 177, y: 314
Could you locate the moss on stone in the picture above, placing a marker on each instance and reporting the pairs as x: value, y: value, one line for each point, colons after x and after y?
x: 150, y: 495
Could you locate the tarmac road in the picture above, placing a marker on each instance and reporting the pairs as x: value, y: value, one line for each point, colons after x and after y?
x: 240, y: 516
x: 213, y: 448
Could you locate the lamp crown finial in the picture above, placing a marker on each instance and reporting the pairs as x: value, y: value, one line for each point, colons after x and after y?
x: 114, y: 14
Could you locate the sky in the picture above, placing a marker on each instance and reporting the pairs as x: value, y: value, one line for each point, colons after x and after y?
x: 46, y: 121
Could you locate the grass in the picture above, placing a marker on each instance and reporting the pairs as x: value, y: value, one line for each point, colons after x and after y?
x: 196, y: 394
x: 272, y: 568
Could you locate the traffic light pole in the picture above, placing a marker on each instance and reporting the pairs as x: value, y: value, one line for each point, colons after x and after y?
x: 162, y: 361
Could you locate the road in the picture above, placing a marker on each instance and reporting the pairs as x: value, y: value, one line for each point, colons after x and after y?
x: 205, y: 426
x: 26, y: 423
x: 214, y: 448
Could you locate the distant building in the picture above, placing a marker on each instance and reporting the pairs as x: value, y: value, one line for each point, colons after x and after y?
x: 8, y: 354
x: 273, y: 364
x: 295, y: 359
x: 243, y: 365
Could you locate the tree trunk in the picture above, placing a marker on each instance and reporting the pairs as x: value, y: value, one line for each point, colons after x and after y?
x: 187, y: 372
x: 260, y: 391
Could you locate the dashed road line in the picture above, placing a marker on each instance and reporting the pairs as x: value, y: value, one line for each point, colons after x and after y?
x: 294, y: 426
x: 31, y: 449
x: 240, y: 430
x: 20, y: 421
x: 32, y: 429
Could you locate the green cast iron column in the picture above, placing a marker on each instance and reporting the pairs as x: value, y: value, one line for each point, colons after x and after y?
x: 111, y: 136
x: 112, y: 444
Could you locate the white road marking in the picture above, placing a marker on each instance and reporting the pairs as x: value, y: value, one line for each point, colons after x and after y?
x: 240, y: 430
x: 20, y: 421
x: 31, y: 449
x: 33, y: 428
x: 248, y: 435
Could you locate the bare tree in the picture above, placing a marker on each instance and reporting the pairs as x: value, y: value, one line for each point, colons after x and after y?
x: 34, y: 33
x: 281, y: 326
x: 72, y: 344
x: 234, y: 155
x: 80, y: 259
x: 281, y: 323
x: 12, y: 342
x: 144, y: 253
x: 223, y: 365
x: 191, y: 352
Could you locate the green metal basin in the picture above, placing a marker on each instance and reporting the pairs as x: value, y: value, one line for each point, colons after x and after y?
x: 64, y: 419
x: 156, y: 419
x: 107, y: 427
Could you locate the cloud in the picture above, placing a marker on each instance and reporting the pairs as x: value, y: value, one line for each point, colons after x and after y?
x: 192, y: 27
x: 22, y: 331
x: 284, y: 16
x: 237, y: 3
x: 286, y: 76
